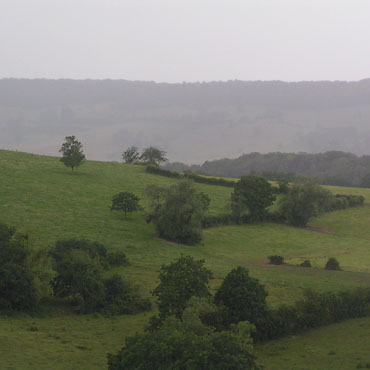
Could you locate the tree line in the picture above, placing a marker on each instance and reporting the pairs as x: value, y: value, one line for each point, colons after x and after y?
x: 330, y: 168
x: 179, y: 212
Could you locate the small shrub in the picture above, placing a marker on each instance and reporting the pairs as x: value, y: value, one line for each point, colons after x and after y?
x: 306, y: 263
x: 117, y: 259
x: 122, y: 298
x: 276, y: 260
x: 332, y: 264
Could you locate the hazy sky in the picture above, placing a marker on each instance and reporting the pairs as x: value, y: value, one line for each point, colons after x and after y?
x: 185, y: 40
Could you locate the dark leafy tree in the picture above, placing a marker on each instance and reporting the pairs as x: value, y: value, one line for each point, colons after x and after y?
x: 332, y: 264
x: 306, y: 263
x: 242, y: 297
x: 79, y: 266
x: 303, y: 201
x: 24, y: 272
x: 253, y: 194
x: 178, y: 214
x: 126, y: 202
x: 179, y: 281
x: 79, y: 279
x: 187, y: 344
x: 276, y: 260
x: 153, y: 155
x: 131, y: 155
x: 72, y: 153
x: 122, y: 298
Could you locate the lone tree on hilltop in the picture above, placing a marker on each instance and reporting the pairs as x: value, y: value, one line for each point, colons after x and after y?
x: 153, y: 155
x: 126, y: 202
x: 73, y: 155
x: 131, y: 155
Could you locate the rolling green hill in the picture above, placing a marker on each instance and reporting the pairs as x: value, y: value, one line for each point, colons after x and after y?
x: 41, y: 196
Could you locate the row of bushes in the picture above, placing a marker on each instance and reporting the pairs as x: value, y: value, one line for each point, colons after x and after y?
x: 189, y: 175
x: 230, y: 219
x: 72, y: 270
x: 79, y: 279
x: 342, y: 201
x: 338, y: 202
x: 162, y: 172
x: 314, y: 310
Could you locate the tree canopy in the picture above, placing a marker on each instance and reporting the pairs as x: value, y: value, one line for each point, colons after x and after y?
x: 25, y: 272
x: 253, y: 194
x: 188, y: 344
x: 179, y: 281
x: 125, y: 202
x: 303, y: 201
x: 131, y: 155
x: 178, y: 211
x: 243, y: 297
x: 153, y: 155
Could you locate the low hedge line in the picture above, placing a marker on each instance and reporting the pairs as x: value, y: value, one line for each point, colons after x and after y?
x: 209, y: 180
x: 314, y: 310
x: 189, y: 175
x: 342, y: 201
x: 161, y: 172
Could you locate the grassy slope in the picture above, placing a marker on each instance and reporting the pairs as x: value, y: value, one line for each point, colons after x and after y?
x: 340, y: 346
x: 40, y: 195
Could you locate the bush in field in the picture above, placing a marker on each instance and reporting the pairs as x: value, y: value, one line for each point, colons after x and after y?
x: 95, y: 250
x: 332, y: 264
x: 276, y: 260
x: 303, y: 201
x: 243, y: 298
x: 122, y: 298
x: 306, y: 263
x: 187, y: 344
x: 118, y: 258
x: 177, y: 211
x: 25, y: 272
x: 79, y: 266
x: 253, y: 194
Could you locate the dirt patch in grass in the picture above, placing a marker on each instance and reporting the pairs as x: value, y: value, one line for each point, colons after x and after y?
x: 265, y: 263
x: 320, y: 229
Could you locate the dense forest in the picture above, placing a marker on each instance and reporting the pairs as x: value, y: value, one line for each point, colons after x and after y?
x: 332, y: 168
x: 192, y: 122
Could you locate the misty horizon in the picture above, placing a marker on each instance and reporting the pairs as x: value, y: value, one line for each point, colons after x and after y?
x: 192, y: 122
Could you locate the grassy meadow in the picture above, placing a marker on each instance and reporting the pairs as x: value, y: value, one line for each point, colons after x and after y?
x: 38, y: 194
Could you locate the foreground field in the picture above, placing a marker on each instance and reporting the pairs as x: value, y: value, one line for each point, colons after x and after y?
x: 342, y: 346
x: 39, y: 195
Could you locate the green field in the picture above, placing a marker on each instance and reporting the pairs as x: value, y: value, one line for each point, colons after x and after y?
x: 41, y: 196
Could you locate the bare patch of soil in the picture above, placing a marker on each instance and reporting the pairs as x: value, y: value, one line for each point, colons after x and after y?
x: 265, y: 264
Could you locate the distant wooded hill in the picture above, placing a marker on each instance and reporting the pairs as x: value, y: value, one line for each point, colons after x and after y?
x: 333, y: 168
x: 191, y: 121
